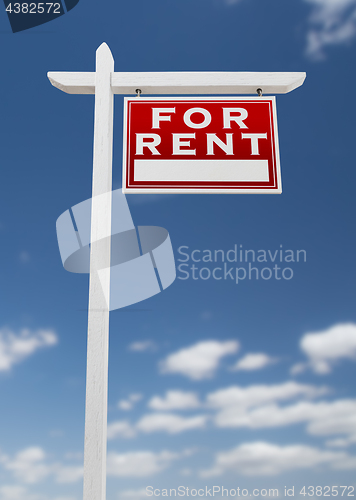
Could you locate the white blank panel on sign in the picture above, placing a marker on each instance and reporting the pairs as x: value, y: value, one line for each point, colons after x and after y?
x: 201, y: 170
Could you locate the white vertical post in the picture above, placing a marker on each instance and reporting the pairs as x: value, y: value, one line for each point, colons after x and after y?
x: 98, y: 318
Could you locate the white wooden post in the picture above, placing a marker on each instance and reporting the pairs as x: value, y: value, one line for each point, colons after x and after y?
x: 98, y: 318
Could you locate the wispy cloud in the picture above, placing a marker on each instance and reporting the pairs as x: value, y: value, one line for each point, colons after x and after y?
x: 32, y: 466
x: 335, y: 418
x: 15, y: 492
x: 170, y: 423
x: 15, y: 347
x: 257, y: 395
x: 267, y: 459
x: 29, y: 465
x: 341, y: 442
x: 120, y: 428
x: 199, y: 361
x: 139, y: 463
x: 322, y: 418
x: 331, y: 22
x: 142, y: 346
x: 324, y: 349
x: 175, y: 400
x: 129, y: 403
x: 68, y: 474
x: 253, y: 361
x: 254, y: 407
x: 264, y: 406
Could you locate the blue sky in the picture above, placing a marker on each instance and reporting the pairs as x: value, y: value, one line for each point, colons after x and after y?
x: 210, y: 382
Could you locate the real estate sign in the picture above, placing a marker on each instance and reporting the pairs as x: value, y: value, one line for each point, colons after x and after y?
x: 201, y: 145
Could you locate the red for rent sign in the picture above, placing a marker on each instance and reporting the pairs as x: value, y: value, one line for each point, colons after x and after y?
x: 201, y: 145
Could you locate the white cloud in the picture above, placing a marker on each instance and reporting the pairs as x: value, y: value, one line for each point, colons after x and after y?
x: 258, y: 407
x: 168, y: 422
x: 336, y: 417
x: 31, y: 466
x: 10, y: 492
x: 331, y: 22
x: 125, y: 405
x: 174, y: 400
x: 28, y: 465
x: 322, y: 418
x: 341, y: 442
x: 253, y: 361
x: 68, y: 474
x: 327, y: 347
x: 199, y: 361
x: 142, y: 346
x: 266, y: 459
x: 139, y: 463
x: 267, y: 416
x: 253, y: 407
x: 298, y: 368
x: 14, y: 348
x: 255, y: 395
x: 120, y: 428
x: 16, y: 492
x: 129, y: 403
x: 3, y: 458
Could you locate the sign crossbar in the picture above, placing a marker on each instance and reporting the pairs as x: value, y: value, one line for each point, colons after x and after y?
x: 182, y: 82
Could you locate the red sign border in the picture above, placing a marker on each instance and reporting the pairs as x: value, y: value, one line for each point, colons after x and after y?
x: 162, y: 187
